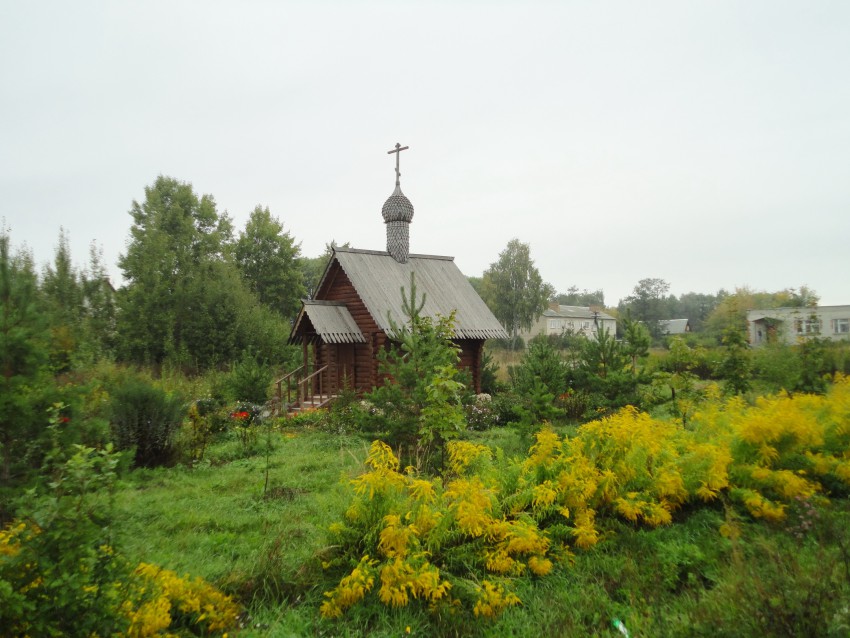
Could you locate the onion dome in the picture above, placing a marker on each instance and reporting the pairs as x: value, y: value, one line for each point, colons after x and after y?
x: 398, y: 213
x: 397, y: 208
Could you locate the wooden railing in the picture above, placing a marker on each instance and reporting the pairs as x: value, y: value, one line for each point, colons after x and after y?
x: 295, y: 376
x: 303, y: 384
x: 313, y: 386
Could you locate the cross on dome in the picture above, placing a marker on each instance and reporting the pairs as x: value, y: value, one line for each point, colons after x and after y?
x: 397, y: 150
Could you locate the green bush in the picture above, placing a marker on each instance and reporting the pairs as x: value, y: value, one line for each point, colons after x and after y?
x: 541, y: 364
x: 58, y: 568
x: 249, y: 380
x: 145, y: 418
x: 779, y: 365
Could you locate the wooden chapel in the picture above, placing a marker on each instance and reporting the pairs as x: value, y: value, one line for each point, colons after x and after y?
x: 349, y: 320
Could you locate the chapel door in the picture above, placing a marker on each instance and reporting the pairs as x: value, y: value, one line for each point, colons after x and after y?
x: 345, y: 366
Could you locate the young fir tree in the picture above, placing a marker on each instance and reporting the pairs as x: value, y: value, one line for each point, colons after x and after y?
x: 421, y: 397
x: 736, y: 365
x: 24, y: 362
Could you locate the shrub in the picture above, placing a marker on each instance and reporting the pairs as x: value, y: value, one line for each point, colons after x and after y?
x: 480, y: 414
x: 58, y: 567
x: 145, y: 418
x: 61, y: 574
x: 249, y: 379
x: 245, y: 419
x: 540, y: 364
x: 407, y: 536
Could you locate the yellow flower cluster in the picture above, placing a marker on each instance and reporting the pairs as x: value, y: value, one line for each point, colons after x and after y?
x: 170, y: 600
x: 493, y: 599
x: 628, y: 464
x: 384, y: 475
x: 401, y: 579
x: 350, y: 590
x: 10, y: 539
x: 463, y: 454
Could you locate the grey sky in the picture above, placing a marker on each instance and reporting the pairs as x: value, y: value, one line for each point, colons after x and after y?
x: 706, y: 143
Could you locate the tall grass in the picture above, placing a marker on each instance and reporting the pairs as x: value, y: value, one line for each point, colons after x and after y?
x: 266, y: 545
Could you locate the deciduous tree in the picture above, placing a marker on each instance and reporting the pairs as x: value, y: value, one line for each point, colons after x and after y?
x: 514, y: 290
x: 648, y: 302
x: 185, y: 300
x: 268, y: 258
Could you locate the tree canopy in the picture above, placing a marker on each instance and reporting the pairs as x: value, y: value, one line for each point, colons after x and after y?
x: 268, y: 258
x: 185, y: 299
x: 513, y: 288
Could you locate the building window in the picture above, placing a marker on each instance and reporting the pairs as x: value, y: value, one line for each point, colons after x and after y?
x: 553, y: 324
x: 585, y: 325
x: 810, y: 326
x: 841, y: 326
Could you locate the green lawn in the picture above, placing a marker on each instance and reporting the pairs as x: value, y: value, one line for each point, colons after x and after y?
x: 264, y: 544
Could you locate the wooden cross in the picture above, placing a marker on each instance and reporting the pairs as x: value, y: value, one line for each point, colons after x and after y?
x: 397, y: 150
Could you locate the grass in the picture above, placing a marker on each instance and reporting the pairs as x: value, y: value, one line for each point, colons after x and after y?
x: 264, y: 544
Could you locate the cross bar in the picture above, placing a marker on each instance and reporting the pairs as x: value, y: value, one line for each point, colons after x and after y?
x: 397, y: 150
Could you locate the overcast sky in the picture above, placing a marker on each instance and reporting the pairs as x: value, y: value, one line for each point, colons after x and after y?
x: 706, y: 143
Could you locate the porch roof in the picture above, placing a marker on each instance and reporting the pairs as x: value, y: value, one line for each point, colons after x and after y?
x: 331, y: 321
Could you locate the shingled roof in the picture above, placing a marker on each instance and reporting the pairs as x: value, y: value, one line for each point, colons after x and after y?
x: 331, y: 321
x: 379, y: 278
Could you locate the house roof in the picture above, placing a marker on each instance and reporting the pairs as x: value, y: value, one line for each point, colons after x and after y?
x: 673, y: 326
x: 378, y: 279
x: 331, y: 321
x: 784, y: 312
x: 576, y: 312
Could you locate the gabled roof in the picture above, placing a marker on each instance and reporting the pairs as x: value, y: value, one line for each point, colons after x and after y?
x: 331, y: 321
x: 673, y: 326
x: 378, y: 279
x: 576, y: 312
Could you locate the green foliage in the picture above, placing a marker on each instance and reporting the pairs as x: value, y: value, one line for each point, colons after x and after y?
x: 245, y: 420
x: 513, y: 288
x: 99, y: 318
x: 648, y: 303
x: 731, y: 309
x: 812, y: 352
x: 481, y: 413
x: 777, y: 587
x: 24, y: 363
x: 603, y: 355
x: 572, y: 297
x: 63, y: 295
x: 676, y: 379
x: 696, y: 307
x: 145, y: 419
x: 779, y: 365
x: 536, y: 406
x: 489, y: 371
x: 268, y: 259
x: 419, y: 406
x: 249, y: 379
x: 58, y: 570
x: 186, y: 302
x: 541, y: 363
x: 60, y: 574
x: 636, y: 339
x: 540, y: 377
x: 736, y: 365
x: 599, y: 378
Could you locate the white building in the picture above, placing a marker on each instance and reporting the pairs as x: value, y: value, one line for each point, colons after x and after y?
x: 578, y: 320
x: 789, y: 325
x: 674, y: 326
